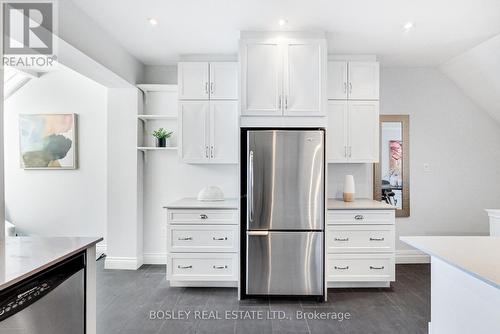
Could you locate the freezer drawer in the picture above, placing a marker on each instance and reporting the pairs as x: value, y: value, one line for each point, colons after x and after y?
x: 284, y: 263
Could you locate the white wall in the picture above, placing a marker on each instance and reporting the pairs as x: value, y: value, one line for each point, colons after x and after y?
x: 160, y: 74
x: 461, y: 143
x: 476, y: 72
x: 64, y: 202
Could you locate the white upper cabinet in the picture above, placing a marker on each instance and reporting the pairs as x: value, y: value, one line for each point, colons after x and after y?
x: 353, y: 131
x: 363, y: 80
x: 303, y: 78
x: 261, y: 78
x: 337, y: 131
x: 283, y: 77
x: 363, y: 131
x: 224, y: 131
x: 193, y: 80
x: 223, y: 81
x: 193, y: 116
x: 353, y: 80
x: 337, y: 80
x: 209, y: 131
x: 203, y: 80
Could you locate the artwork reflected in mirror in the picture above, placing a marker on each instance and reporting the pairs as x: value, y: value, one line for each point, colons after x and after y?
x: 391, y: 174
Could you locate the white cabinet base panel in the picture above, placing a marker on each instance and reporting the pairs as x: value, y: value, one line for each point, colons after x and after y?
x: 359, y: 285
x: 205, y: 284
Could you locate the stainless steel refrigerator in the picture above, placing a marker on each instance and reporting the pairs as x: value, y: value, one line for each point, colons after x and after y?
x: 285, y: 204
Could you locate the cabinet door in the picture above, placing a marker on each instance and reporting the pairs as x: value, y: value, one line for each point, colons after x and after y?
x: 303, y: 78
x: 363, y: 131
x: 224, y: 81
x: 363, y: 80
x: 194, y: 131
x: 261, y: 78
x: 224, y: 132
x: 193, y: 81
x: 337, y: 131
x: 337, y: 80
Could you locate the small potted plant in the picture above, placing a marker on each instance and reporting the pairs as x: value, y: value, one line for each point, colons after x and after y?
x: 161, y: 137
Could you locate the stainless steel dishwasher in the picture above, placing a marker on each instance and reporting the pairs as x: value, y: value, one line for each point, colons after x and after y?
x: 52, y: 302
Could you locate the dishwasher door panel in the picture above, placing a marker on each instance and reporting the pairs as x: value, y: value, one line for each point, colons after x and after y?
x: 284, y: 263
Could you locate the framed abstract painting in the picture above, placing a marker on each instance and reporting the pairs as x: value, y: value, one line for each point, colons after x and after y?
x: 48, y: 141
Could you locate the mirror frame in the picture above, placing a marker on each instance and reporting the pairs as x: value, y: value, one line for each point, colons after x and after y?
x: 377, y: 178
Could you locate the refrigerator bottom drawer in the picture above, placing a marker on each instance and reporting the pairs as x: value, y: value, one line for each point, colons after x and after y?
x: 285, y: 263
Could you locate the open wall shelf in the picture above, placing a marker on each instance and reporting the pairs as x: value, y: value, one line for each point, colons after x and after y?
x: 145, y: 118
x: 146, y: 148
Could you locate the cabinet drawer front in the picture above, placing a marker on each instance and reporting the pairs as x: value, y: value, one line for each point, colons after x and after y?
x: 200, y: 216
x: 203, y: 238
x: 360, y: 268
x: 360, y: 238
x: 380, y: 217
x: 202, y: 267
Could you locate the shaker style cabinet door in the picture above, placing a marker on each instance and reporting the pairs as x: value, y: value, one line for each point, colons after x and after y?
x: 363, y: 131
x: 224, y: 132
x: 337, y: 80
x: 303, y: 78
x: 194, y: 131
x: 363, y: 80
x: 261, y: 78
x: 193, y: 80
x: 337, y: 131
x: 223, y: 81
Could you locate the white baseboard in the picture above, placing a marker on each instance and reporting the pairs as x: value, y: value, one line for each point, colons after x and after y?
x: 411, y: 256
x: 125, y: 263
x: 155, y: 258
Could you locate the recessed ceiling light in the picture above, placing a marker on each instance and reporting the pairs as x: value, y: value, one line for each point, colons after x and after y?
x: 153, y: 21
x: 408, y: 26
x: 282, y: 22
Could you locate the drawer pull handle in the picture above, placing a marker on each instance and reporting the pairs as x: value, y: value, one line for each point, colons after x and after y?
x: 220, y: 267
x: 185, y: 238
x: 219, y: 239
x: 359, y: 217
x: 341, y: 239
x: 203, y: 216
x: 377, y: 239
x: 376, y: 268
x: 342, y: 268
x: 184, y: 267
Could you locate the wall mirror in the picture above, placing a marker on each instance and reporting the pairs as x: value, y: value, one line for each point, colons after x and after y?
x: 391, y: 176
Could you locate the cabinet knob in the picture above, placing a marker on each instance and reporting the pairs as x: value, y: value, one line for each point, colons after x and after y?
x: 341, y: 239
x: 359, y: 217
x: 342, y: 268
x: 185, y: 238
x: 203, y: 216
x: 377, y: 239
x: 219, y: 239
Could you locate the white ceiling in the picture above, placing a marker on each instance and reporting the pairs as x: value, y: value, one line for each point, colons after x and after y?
x: 443, y: 28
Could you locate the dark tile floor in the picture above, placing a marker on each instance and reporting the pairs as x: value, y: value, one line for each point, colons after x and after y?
x: 126, y: 298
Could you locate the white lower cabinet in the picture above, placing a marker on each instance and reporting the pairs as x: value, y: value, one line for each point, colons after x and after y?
x: 361, y: 248
x: 203, y: 247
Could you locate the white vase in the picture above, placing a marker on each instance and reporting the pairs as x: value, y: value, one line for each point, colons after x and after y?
x: 349, y: 189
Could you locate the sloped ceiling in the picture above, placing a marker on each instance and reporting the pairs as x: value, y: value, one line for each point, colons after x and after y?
x: 477, y: 73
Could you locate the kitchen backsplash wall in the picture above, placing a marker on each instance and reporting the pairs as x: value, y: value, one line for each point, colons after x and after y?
x: 363, y: 176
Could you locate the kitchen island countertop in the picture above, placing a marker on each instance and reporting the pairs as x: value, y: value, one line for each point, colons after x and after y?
x: 193, y: 203
x: 358, y: 204
x: 27, y: 256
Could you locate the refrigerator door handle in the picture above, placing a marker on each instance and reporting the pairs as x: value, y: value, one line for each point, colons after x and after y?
x: 258, y: 233
x: 250, y: 187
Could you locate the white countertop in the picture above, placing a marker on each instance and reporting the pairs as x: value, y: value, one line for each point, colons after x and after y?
x: 477, y: 256
x: 193, y: 203
x: 26, y: 256
x: 358, y: 204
